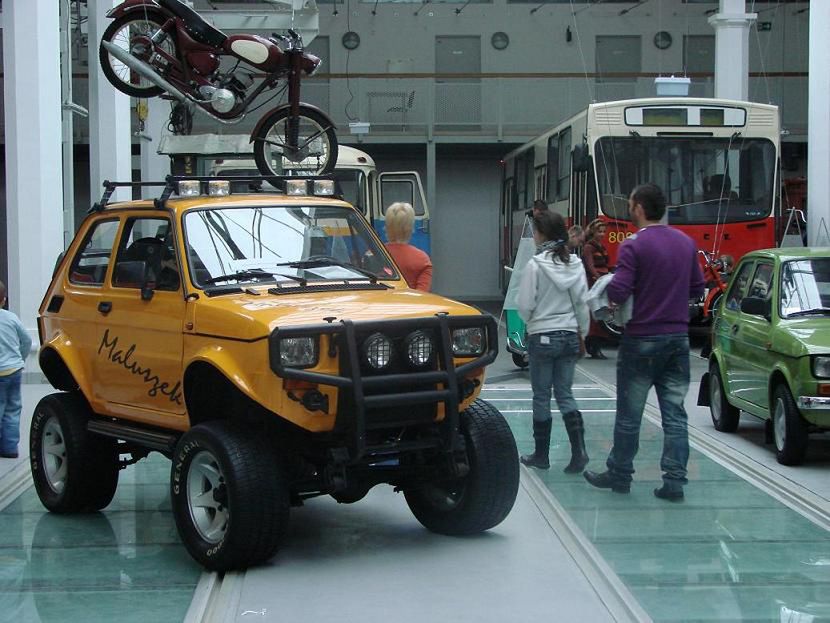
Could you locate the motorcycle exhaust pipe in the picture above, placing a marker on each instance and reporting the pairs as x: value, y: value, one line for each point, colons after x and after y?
x: 148, y: 72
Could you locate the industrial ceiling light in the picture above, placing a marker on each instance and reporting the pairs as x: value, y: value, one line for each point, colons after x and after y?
x: 500, y: 40
x: 351, y: 40
x: 662, y: 40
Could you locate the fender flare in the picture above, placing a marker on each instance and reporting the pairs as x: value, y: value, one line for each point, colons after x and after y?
x: 134, y: 5
x: 70, y: 358
x: 264, y: 117
x: 226, y: 365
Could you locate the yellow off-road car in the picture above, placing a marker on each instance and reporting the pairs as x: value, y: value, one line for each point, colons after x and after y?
x: 269, y: 346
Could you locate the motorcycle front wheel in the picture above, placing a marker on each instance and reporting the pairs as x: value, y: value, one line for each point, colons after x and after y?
x: 130, y: 33
x: 313, y: 150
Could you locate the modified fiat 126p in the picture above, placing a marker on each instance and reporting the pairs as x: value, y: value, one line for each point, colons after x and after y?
x: 771, y: 348
x: 268, y: 345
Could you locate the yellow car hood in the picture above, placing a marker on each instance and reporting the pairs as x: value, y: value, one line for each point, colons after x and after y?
x: 249, y: 317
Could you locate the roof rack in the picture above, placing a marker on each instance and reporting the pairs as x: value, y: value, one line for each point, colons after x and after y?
x: 170, y: 185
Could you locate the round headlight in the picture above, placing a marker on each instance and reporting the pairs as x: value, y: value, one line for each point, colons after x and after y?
x: 377, y: 351
x: 419, y: 348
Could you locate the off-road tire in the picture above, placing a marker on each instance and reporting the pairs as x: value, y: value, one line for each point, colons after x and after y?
x: 485, y: 496
x: 725, y: 417
x: 789, y: 428
x: 73, y: 469
x: 255, y: 495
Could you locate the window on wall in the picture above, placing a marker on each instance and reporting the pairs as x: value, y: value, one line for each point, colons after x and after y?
x: 699, y: 53
x: 618, y: 54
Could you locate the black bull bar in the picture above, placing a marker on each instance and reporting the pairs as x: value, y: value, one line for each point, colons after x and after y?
x: 448, y: 375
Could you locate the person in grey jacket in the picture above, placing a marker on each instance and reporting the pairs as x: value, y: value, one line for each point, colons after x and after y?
x: 552, y: 302
x: 15, y: 345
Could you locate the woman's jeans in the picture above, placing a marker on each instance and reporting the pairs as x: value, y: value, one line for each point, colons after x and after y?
x: 661, y: 361
x: 10, y: 407
x: 553, y: 358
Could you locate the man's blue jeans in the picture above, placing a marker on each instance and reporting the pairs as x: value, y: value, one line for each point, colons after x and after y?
x: 661, y: 361
x: 552, y: 364
x: 11, y: 405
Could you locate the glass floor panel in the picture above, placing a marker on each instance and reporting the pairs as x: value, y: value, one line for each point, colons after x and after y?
x: 729, y: 552
x: 124, y: 564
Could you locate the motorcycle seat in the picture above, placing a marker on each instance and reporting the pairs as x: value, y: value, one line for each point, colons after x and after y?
x: 195, y: 24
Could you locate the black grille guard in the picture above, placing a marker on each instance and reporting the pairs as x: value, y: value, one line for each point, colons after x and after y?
x: 442, y: 324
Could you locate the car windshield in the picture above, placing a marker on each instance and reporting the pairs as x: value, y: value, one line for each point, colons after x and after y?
x: 706, y: 180
x: 236, y: 245
x: 805, y: 287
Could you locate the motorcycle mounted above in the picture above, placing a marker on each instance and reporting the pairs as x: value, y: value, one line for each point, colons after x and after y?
x: 156, y: 47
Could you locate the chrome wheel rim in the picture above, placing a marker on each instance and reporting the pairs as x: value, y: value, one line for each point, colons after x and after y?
x: 53, y: 455
x: 309, y: 157
x: 207, y: 497
x: 715, y: 398
x: 779, y: 424
x: 124, y: 38
x: 445, y: 498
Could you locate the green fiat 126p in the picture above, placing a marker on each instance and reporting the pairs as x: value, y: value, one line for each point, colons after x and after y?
x: 771, y: 348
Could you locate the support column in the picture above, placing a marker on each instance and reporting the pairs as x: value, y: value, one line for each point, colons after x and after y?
x: 34, y: 202
x: 731, y: 26
x: 431, y: 176
x: 109, y: 116
x: 818, y: 130
x: 154, y: 166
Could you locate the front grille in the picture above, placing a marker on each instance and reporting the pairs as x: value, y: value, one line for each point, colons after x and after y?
x: 388, y: 417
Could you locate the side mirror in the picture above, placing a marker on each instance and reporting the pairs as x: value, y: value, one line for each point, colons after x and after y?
x: 756, y: 306
x: 581, y: 158
x: 133, y: 274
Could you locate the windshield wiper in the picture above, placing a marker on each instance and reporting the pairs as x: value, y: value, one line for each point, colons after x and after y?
x: 806, y: 312
x: 251, y: 273
x: 373, y: 278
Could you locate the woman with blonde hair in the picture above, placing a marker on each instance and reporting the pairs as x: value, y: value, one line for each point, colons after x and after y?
x: 414, y: 263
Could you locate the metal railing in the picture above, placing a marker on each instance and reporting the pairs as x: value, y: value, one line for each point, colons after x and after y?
x: 502, y: 107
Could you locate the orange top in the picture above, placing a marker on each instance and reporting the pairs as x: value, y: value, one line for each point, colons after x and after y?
x: 414, y: 264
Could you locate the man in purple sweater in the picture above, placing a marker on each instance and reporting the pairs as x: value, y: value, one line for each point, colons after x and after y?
x: 657, y: 266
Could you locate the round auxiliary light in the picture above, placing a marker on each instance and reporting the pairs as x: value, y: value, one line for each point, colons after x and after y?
x: 419, y: 348
x: 377, y: 351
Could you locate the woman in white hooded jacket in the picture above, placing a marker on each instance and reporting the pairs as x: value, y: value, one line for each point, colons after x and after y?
x: 552, y: 302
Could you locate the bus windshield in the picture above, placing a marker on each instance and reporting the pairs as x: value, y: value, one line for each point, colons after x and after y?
x: 706, y: 180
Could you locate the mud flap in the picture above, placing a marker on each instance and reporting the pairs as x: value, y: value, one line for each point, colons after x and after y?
x: 703, y: 391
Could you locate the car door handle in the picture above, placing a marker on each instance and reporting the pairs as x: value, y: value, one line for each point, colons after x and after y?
x: 735, y: 328
x: 105, y: 307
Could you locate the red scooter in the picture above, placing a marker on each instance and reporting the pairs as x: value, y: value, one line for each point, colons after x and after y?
x: 163, y: 46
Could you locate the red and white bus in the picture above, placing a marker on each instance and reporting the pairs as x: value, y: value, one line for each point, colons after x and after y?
x: 716, y: 161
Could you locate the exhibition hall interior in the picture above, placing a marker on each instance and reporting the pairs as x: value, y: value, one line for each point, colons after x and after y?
x: 423, y: 310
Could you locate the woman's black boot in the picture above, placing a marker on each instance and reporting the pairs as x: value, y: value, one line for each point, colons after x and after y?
x: 576, y: 435
x: 592, y: 347
x: 541, y: 435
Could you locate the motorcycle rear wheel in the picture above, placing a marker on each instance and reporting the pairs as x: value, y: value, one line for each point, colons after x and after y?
x: 315, y: 152
x: 121, y: 32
